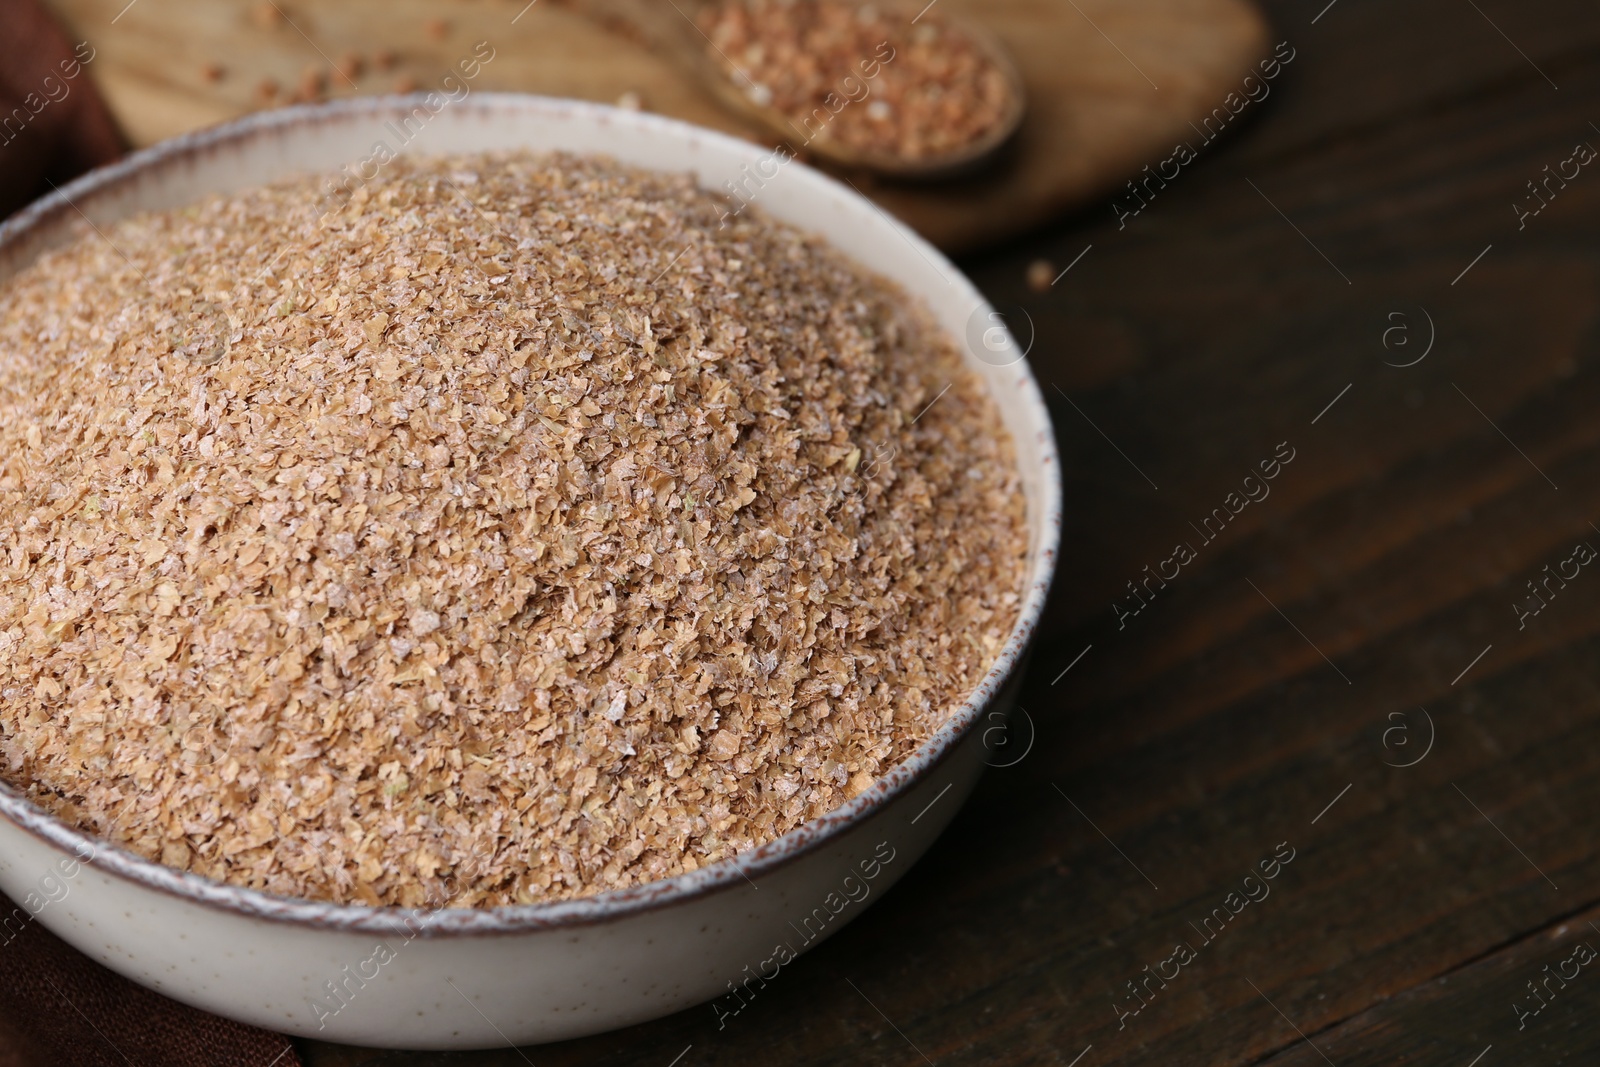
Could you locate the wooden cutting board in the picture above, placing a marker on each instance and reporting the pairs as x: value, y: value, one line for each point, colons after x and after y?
x: 1112, y: 85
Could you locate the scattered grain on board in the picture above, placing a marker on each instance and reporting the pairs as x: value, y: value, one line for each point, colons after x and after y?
x: 267, y: 15
x: 313, y: 84
x: 515, y: 531
x: 1041, y: 275
x: 351, y: 66
x: 860, y: 75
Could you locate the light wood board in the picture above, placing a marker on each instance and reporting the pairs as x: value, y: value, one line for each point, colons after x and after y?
x: 1112, y: 85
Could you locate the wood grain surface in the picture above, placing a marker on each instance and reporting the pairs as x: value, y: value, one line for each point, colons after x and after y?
x: 1342, y: 670
x: 1095, y: 115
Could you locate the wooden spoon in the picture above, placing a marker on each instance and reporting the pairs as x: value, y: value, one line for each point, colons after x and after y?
x: 670, y: 28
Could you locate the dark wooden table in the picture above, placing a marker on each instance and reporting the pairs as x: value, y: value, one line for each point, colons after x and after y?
x: 1360, y: 618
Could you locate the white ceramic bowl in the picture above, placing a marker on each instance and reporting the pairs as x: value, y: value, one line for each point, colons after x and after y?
x: 464, y: 978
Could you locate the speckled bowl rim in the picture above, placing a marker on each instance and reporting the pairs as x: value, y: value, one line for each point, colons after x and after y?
x: 614, y: 904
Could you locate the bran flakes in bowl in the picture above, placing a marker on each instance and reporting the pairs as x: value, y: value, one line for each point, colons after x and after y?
x: 515, y: 531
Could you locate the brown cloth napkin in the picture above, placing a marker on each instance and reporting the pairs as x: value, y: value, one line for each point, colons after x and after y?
x: 56, y: 1005
x: 53, y: 124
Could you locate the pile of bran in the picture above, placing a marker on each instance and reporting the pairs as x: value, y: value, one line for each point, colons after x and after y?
x: 512, y: 532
